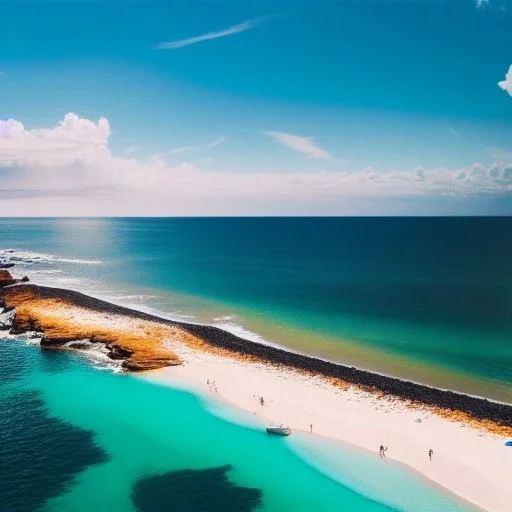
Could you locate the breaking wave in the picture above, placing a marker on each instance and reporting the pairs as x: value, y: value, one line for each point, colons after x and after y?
x: 97, y: 353
x: 25, y: 258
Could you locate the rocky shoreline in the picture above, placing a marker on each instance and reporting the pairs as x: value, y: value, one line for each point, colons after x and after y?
x: 417, y: 394
x: 60, y: 324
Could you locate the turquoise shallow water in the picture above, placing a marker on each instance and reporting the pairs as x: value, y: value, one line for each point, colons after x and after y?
x: 76, y: 438
x: 428, y: 299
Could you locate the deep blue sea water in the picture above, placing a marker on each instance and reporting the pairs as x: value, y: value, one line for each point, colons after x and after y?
x: 429, y: 299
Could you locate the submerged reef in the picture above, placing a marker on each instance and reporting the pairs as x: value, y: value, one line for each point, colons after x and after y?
x: 207, y: 490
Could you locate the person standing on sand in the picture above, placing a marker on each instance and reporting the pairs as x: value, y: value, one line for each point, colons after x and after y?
x: 381, y: 451
x: 430, y: 453
x: 262, y: 401
x: 311, y: 427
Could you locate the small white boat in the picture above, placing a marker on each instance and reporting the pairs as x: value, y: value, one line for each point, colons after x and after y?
x: 279, y: 430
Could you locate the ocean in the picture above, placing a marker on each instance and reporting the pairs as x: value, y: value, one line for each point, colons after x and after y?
x: 425, y: 299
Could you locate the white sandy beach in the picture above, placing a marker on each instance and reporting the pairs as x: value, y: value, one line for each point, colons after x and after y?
x: 470, y: 463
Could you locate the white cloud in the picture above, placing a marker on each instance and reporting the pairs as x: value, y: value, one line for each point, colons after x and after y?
x: 72, y: 162
x: 500, y: 154
x: 184, y: 149
x: 216, y: 142
x: 304, y: 145
x: 74, y: 137
x: 506, y: 84
x: 235, y: 29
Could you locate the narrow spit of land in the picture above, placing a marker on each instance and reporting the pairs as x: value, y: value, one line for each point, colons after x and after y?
x: 61, y: 315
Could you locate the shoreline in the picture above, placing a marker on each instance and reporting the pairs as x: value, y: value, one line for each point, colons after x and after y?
x: 157, y: 378
x: 345, y: 404
x: 463, y: 455
x: 479, y: 408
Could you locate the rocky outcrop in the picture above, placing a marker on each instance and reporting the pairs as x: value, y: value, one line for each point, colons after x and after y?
x: 62, y: 323
x: 21, y: 325
x: 117, y: 353
x: 6, y: 265
x: 6, y: 318
x: 6, y: 278
x: 142, y: 365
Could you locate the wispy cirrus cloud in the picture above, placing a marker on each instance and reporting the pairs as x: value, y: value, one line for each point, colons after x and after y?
x: 506, y: 84
x: 184, y: 149
x: 234, y: 29
x: 304, y: 145
x: 500, y: 154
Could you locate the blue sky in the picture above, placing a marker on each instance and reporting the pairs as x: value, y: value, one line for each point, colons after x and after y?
x: 312, y: 89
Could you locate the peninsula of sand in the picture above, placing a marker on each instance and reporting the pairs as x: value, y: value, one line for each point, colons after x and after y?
x: 350, y: 405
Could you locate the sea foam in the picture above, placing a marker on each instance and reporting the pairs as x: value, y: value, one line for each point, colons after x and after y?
x: 21, y: 257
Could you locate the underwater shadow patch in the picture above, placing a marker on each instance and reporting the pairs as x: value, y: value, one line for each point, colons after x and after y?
x: 39, y: 455
x: 190, y: 490
x: 14, y: 361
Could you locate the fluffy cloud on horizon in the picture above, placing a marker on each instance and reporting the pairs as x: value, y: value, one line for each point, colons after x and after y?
x: 73, y: 160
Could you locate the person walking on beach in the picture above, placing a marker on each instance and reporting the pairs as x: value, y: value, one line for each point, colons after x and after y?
x: 381, y: 451
x: 311, y: 427
x: 430, y: 453
x: 262, y: 401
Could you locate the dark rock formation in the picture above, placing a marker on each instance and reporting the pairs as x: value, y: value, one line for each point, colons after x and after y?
x: 6, y: 265
x: 80, y: 345
x: 6, y: 279
x: 116, y: 352
x: 19, y: 327
x: 148, y: 364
